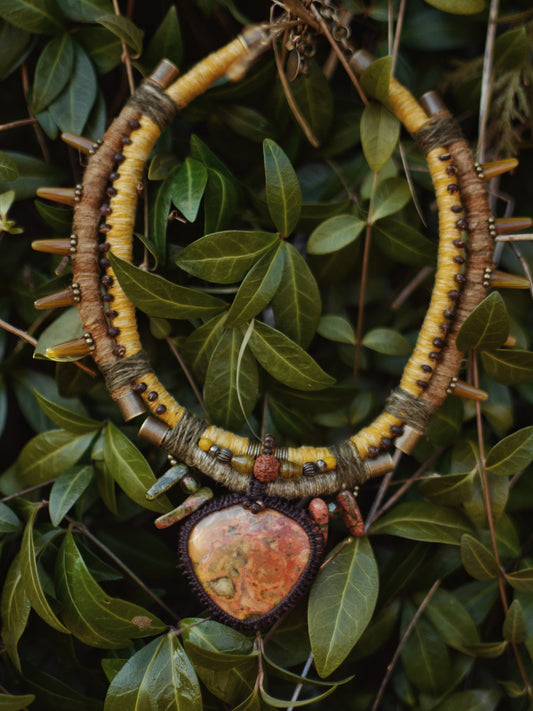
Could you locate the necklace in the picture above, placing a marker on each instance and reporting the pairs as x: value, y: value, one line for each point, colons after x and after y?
x: 229, y: 540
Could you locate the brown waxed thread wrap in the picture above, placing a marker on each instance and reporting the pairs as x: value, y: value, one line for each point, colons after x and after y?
x: 441, y: 130
x: 413, y: 411
x: 152, y: 101
x: 122, y: 372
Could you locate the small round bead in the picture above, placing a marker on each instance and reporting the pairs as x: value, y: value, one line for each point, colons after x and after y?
x: 152, y: 395
x: 310, y: 469
x: 438, y: 343
x: 114, y: 176
x: 453, y: 188
x: 422, y: 383
x: 460, y: 278
x: 224, y: 454
x: 111, y: 191
x: 213, y: 449
x: 104, y: 247
x: 205, y: 444
x: 108, y: 298
x: 461, y: 224
x: 454, y: 294
x: 434, y: 355
x: 459, y: 243
x: 113, y: 331
x: 104, y: 263
x: 104, y: 228
x: 459, y: 260
x: 373, y: 452
x: 118, y: 158
x: 451, y: 170
x: 119, y: 351
x: 140, y: 388
x: 321, y: 465
x: 445, y: 327
x: 396, y: 430
x: 133, y: 125
x: 105, y: 209
x: 449, y: 314
x: 111, y: 314
x: 385, y: 442
x: 160, y: 409
x: 457, y: 208
x: 107, y: 280
x: 445, y: 156
x: 426, y: 368
x: 125, y: 141
x: 266, y: 468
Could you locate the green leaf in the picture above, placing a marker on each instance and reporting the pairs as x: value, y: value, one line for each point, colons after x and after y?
x: 257, y: 288
x: 68, y: 420
x: 71, y: 109
x: 283, y: 704
x: 187, y: 187
x: 52, y: 71
x: 15, y: 609
x: 478, y: 561
x: 402, y: 243
x: 334, y: 234
x: 513, y: 454
x: 130, y: 469
x: 15, y: 44
x: 214, y: 636
x: 8, y: 168
x: 252, y: 703
x: 286, y: 361
x: 33, y: 174
x: 341, y: 603
x: 225, y: 257
x: 283, y: 193
x: 485, y: 650
x: 49, y: 454
x: 313, y: 97
x: 387, y: 341
x: 458, y: 7
x: 9, y: 521
x: 93, y: 616
x: 158, y: 218
x: 166, y: 42
x: 297, y: 303
x: 510, y: 367
x: 66, y: 327
x: 103, y: 48
x: 451, y: 489
x: 159, y: 297
x: 225, y: 381
x: 423, y: 521
x: 59, y: 218
x: 30, y: 577
x: 389, y: 197
x: 220, y: 200
x: 471, y: 700
x: 486, y: 327
x: 521, y: 580
x: 10, y: 702
x: 511, y: 49
x: 247, y: 122
x: 425, y: 657
x: 124, y: 29
x: 514, y: 626
x: 199, y: 346
x: 66, y: 490
x: 375, y: 80
x: 336, y: 328
x: 380, y: 131
x: 85, y: 10
x: 451, y: 619
x: 37, y: 16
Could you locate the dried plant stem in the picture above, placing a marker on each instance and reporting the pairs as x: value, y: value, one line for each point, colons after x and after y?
x: 514, y: 238
x: 397, y: 34
x: 486, y: 81
x: 18, y: 332
x: 37, y: 128
x: 189, y: 377
x: 16, y: 124
x: 125, y: 52
x: 413, y: 284
x: 299, y: 687
x: 26, y: 491
x: 523, y: 264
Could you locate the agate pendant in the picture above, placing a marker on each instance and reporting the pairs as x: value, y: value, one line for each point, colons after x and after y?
x: 249, y: 567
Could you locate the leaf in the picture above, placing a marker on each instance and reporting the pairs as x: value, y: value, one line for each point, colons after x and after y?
x: 510, y: 367
x: 59, y: 219
x: 247, y: 122
x: 450, y: 489
x: 387, y: 341
x: 85, y: 10
x: 66, y: 490
x: 425, y: 657
x: 514, y: 626
x: 314, y: 99
x: 166, y: 42
x: 451, y: 619
x: 8, y: 168
x: 37, y: 16
x: 33, y: 173
x: 9, y: 521
x: 471, y: 700
x: 375, y: 80
x: 225, y: 257
x: 521, y: 580
x: 334, y: 234
x: 49, y: 454
x: 511, y: 49
x: 71, y: 109
x: 93, y: 616
x: 65, y: 328
x: 283, y: 193
x: 15, y: 44
x: 52, y: 71
x: 458, y: 7
x: 159, y: 297
x: 15, y: 609
x: 402, y: 243
x: 68, y: 420
x: 30, y: 577
x: 10, y: 702
x: 380, y: 130
x: 423, y: 521
x: 130, y: 469
x: 199, y: 346
x: 478, y: 561
x: 103, y: 48
x: 336, y: 328
x: 297, y: 303
x: 389, y: 197
x: 485, y: 650
x: 512, y: 454
x: 158, y: 218
x: 187, y: 187
x: 124, y: 29
x: 257, y: 288
x: 229, y: 677
x: 341, y: 603
x: 486, y: 327
x: 220, y: 200
x: 283, y: 704
x: 286, y: 361
x: 224, y: 381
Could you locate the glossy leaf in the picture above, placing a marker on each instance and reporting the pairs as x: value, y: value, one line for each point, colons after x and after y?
x: 85, y: 10
x: 380, y: 131
x: 65, y: 328
x: 451, y: 619
x: 91, y: 615
x: 521, y: 580
x: 220, y: 200
x: 159, y: 297
x: 486, y: 650
x: 71, y: 109
x: 49, y: 454
x: 424, y: 521
x: 387, y: 341
x: 510, y: 367
x: 33, y: 174
x: 512, y: 454
x: 130, y: 469
x: 341, y: 603
x: 66, y: 490
x: 158, y: 217
x: 187, y: 187
x: 478, y: 561
x: 8, y: 168
x: 313, y: 97
x: 52, y: 71
x: 297, y: 303
x: 390, y: 196
x: 451, y: 489
x: 15, y: 44
x: 425, y: 657
x: 247, y: 122
x: 402, y: 243
x: 486, y: 327
x: 334, y: 234
x: 511, y: 49
x: 9, y: 521
x: 15, y: 609
x: 375, y: 79
x: 30, y: 577
x: 103, y: 47
x: 471, y: 700
x: 11, y: 702
x: 458, y: 7
x: 38, y: 16
x: 66, y: 419
x: 124, y: 29
x: 336, y: 328
x: 230, y: 677
x: 166, y: 42
x: 225, y: 381
x: 199, y: 346
x: 289, y: 703
x: 283, y: 193
x: 514, y: 626
x: 258, y: 287
x: 252, y: 703
x: 286, y: 361
x: 225, y: 257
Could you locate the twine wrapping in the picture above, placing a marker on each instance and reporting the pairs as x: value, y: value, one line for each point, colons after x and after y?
x: 441, y: 130
x: 152, y: 101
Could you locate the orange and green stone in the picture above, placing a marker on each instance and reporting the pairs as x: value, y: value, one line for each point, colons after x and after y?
x: 248, y: 563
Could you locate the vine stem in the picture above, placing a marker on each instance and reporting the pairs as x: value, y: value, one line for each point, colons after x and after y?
x: 37, y: 128
x: 26, y: 491
x: 125, y: 53
x: 18, y: 332
x: 82, y: 528
x: 16, y: 124
x: 397, y: 33
x: 390, y: 667
x: 486, y: 81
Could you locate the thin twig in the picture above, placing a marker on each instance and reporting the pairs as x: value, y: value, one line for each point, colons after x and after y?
x: 18, y: 332
x: 524, y: 265
x: 412, y: 190
x: 299, y: 686
x: 486, y: 80
x: 188, y: 375
x: 37, y: 128
x: 413, y: 284
x: 125, y: 54
x: 16, y: 124
x: 383, y: 486
x: 397, y: 34
x: 514, y: 238
x: 27, y: 491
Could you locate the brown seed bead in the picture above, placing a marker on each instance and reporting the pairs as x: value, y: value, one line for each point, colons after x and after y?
x: 140, y: 388
x: 111, y: 192
x: 459, y: 260
x: 125, y: 141
x: 451, y: 170
x: 152, y: 396
x: 445, y: 156
x: 104, y: 247
x: 108, y: 298
x: 133, y: 125
x: 438, y: 343
x: 426, y: 368
x: 113, y: 331
x: 453, y: 188
x: 118, y: 158
x: 396, y: 430
x: 445, y: 328
x: 373, y: 452
x: 461, y: 224
x: 385, y: 442
x: 460, y: 278
x: 114, y: 176
x: 457, y: 208
x: 454, y: 294
x: 104, y: 262
x: 459, y: 243
x: 107, y: 280
x: 111, y: 314
x: 160, y: 409
x: 105, y: 209
x: 434, y: 355
x: 422, y: 383
x: 449, y: 314
x: 119, y: 351
x: 266, y: 468
x: 104, y: 228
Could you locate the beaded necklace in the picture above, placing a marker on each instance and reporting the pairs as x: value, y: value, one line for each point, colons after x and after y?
x: 264, y: 477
